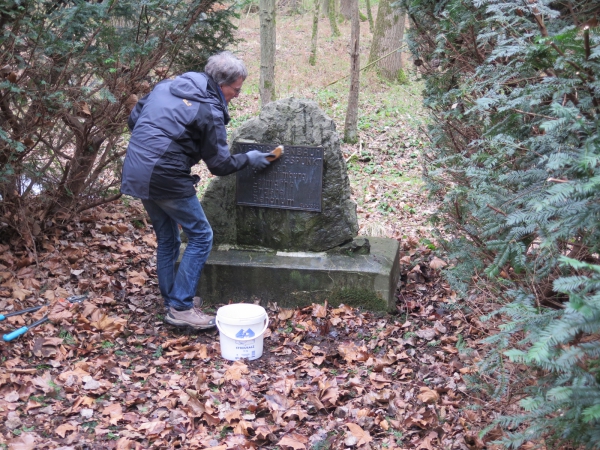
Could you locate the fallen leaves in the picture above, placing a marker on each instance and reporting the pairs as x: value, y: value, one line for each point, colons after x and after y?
x: 113, y: 324
x: 60, y: 310
x: 351, y: 352
x: 26, y: 441
x: 153, y: 428
x: 63, y: 429
x: 428, y: 395
x: 329, y: 392
x: 295, y: 441
x: 18, y: 292
x: 115, y: 411
x: 12, y: 396
x: 108, y: 373
x: 277, y: 402
x: 72, y: 254
x: 320, y: 310
x: 236, y: 371
x: 362, y: 437
x: 90, y: 384
x: 437, y: 263
x: 426, y: 333
x: 378, y: 381
x: 43, y: 382
x: 428, y: 441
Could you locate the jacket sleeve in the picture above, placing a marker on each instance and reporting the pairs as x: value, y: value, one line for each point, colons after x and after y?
x: 136, y: 111
x: 214, y: 148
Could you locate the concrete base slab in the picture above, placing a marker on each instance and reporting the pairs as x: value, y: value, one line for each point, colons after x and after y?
x: 301, y: 278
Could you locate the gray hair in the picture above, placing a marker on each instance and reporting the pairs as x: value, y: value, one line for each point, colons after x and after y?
x: 225, y: 68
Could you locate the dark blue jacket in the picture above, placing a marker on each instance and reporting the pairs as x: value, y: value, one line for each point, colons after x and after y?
x: 175, y: 126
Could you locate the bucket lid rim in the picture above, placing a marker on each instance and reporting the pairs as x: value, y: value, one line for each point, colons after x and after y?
x: 259, y: 313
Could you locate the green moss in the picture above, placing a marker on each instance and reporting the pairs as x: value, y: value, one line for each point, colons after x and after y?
x: 401, y: 77
x: 304, y: 281
x: 357, y: 297
x: 354, y: 297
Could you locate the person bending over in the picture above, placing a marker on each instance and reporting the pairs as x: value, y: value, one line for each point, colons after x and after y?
x: 179, y: 123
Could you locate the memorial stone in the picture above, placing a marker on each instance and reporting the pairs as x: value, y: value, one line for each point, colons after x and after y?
x: 289, y: 233
x: 293, y: 123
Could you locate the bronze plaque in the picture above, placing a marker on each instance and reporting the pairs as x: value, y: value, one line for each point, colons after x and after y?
x: 294, y: 181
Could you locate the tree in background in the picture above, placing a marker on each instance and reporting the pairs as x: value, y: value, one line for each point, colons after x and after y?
x: 267, y: 50
x: 370, y: 16
x: 324, y: 7
x: 70, y: 73
x: 332, y: 11
x: 346, y: 9
x: 312, y: 60
x: 387, y: 37
x: 513, y: 91
x: 294, y: 6
x: 351, y: 122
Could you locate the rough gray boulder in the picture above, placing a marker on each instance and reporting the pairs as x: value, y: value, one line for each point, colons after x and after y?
x: 289, y: 122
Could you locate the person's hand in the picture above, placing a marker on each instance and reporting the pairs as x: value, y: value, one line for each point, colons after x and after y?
x: 257, y: 160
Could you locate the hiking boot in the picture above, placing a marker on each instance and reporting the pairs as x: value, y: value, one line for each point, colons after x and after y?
x: 193, y: 318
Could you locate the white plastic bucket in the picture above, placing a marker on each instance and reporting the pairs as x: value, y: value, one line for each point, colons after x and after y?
x: 241, y: 328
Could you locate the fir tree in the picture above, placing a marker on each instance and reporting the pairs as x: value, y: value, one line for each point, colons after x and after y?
x: 514, y: 90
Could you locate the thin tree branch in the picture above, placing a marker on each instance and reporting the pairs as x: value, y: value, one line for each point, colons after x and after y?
x: 102, y: 201
x: 534, y: 114
x: 368, y: 65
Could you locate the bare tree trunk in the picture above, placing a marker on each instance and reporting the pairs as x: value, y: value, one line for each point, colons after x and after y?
x: 267, y: 51
x: 312, y: 60
x: 351, y: 123
x: 346, y: 8
x: 370, y: 16
x: 293, y: 7
x: 335, y: 31
x: 388, y: 35
x: 324, y: 7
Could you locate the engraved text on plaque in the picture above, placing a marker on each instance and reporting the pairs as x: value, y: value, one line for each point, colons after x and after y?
x: 294, y: 181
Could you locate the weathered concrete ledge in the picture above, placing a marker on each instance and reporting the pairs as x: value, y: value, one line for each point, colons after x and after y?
x: 295, y: 279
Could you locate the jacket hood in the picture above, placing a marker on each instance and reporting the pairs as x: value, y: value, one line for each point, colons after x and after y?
x: 192, y: 86
x: 198, y: 87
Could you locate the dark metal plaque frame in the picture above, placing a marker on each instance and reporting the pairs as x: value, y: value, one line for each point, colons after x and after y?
x: 294, y: 181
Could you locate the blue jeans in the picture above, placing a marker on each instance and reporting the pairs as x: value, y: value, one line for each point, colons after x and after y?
x: 179, y: 288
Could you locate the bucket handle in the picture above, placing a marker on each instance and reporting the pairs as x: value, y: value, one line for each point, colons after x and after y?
x: 243, y: 339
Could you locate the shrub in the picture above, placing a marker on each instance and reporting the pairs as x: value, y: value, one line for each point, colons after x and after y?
x: 70, y: 73
x: 513, y: 88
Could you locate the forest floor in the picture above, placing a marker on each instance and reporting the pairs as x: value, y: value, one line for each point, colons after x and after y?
x: 109, y: 374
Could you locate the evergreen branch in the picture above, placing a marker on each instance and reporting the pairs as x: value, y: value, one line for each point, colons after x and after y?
x: 534, y: 114
x: 499, y: 211
x: 573, y: 64
x: 519, y: 190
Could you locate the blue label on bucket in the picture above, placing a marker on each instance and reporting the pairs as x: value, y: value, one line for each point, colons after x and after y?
x: 245, y: 333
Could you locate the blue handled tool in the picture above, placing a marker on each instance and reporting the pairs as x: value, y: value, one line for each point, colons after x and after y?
x: 18, y: 313
x: 15, y: 334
